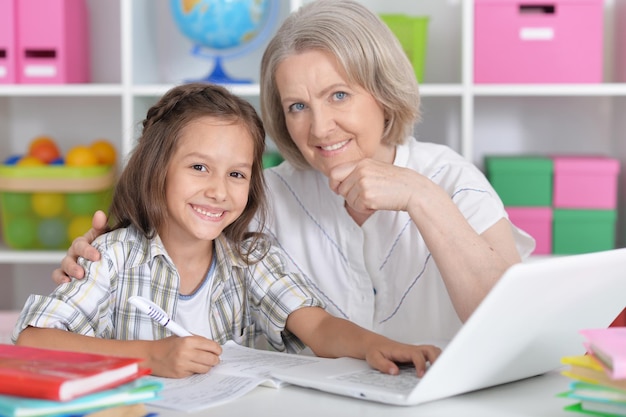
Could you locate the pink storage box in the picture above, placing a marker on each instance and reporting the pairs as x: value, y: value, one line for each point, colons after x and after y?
x: 585, y: 182
x: 53, y: 41
x: 537, y: 222
x: 536, y: 41
x: 7, y: 41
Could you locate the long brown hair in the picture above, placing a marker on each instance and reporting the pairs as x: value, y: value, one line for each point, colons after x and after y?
x: 139, y: 196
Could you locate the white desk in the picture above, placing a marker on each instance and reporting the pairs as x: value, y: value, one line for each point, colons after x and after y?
x: 534, y: 397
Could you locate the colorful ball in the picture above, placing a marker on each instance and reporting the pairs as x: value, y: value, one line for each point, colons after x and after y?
x: 48, y: 205
x: 45, y: 149
x: 29, y: 161
x: 21, y: 232
x: 84, y: 203
x: 12, y: 160
x: 52, y: 233
x: 105, y: 151
x: 78, y: 226
x: 81, y: 156
x: 16, y: 203
x: 39, y: 141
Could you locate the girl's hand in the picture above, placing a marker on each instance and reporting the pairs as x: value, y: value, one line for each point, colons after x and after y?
x: 179, y: 357
x: 385, y: 356
x: 332, y: 337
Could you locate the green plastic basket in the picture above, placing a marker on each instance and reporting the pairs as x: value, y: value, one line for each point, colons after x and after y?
x: 412, y: 32
x: 46, y: 207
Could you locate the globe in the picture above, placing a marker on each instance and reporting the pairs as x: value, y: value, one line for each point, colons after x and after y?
x: 223, y: 29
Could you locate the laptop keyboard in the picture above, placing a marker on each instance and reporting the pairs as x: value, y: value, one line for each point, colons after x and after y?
x: 404, y: 382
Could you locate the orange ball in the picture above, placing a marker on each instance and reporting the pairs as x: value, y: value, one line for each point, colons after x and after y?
x: 44, y: 148
x: 38, y: 140
x: 81, y: 156
x: 105, y: 151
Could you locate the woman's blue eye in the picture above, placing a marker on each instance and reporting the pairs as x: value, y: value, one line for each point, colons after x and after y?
x: 340, y: 95
x: 296, y: 107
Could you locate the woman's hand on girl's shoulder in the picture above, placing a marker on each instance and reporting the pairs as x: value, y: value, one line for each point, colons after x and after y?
x: 81, y: 247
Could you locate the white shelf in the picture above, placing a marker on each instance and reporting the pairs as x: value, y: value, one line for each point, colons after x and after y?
x: 67, y: 90
x: 43, y: 257
x: 157, y: 90
x: 543, y: 90
x: 138, y: 54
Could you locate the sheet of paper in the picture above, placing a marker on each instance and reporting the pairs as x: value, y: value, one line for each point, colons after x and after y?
x: 240, y: 360
x: 240, y: 371
x: 201, y: 391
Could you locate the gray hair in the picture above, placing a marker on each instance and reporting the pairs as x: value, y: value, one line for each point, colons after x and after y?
x: 366, y: 49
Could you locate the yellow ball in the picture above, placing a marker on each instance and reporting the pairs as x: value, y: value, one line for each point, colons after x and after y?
x: 105, y: 151
x: 81, y: 156
x: 48, y: 205
x: 78, y: 226
x: 30, y: 161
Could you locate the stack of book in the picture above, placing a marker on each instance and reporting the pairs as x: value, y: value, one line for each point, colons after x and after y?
x: 599, y: 385
x: 44, y: 382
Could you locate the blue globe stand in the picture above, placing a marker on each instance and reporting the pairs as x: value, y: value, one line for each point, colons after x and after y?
x: 219, y: 76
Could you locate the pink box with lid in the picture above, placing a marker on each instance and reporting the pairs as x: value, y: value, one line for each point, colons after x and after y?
x: 585, y: 182
x: 52, y: 41
x: 538, y: 41
x: 537, y: 222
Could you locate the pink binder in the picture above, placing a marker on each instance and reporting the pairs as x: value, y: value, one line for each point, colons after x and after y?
x: 7, y: 42
x: 53, y: 41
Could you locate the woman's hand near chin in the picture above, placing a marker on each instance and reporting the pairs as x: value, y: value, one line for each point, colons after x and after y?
x: 369, y: 185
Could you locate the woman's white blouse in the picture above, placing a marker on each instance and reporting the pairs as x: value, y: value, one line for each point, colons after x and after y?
x: 380, y: 275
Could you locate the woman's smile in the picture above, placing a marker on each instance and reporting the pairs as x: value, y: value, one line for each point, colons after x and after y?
x: 335, y: 146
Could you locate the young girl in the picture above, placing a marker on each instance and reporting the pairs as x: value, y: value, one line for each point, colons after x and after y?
x: 182, y: 209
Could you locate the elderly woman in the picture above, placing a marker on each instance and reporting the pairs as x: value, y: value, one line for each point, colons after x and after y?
x: 400, y: 236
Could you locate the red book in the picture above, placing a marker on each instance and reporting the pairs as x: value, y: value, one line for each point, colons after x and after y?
x: 61, y: 375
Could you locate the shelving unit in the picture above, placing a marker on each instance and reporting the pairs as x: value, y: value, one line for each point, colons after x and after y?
x: 138, y: 54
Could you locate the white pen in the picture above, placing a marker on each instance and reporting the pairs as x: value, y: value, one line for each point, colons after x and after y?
x: 157, y: 314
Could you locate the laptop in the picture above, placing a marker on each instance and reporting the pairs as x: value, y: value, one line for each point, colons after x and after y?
x: 525, y: 325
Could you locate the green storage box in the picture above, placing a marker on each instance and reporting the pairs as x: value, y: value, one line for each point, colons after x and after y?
x: 583, y: 231
x: 46, y: 207
x: 521, y: 181
x: 412, y: 32
x: 271, y: 159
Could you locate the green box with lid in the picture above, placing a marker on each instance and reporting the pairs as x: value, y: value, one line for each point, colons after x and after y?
x: 521, y: 181
x: 582, y: 231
